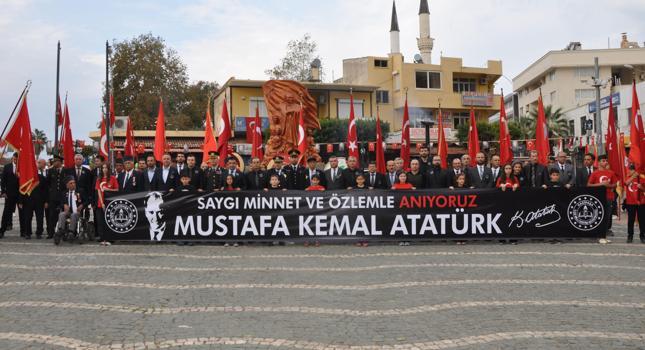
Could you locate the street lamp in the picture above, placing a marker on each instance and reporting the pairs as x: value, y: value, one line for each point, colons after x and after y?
x: 428, y: 124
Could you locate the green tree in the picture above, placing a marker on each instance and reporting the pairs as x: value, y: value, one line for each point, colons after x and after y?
x: 556, y: 122
x: 196, y: 99
x: 144, y: 69
x: 488, y: 131
x: 40, y: 140
x: 335, y: 130
x: 296, y: 64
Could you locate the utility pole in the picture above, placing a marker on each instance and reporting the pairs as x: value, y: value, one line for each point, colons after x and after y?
x: 598, y: 83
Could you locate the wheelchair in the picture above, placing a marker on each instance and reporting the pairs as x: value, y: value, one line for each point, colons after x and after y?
x: 84, y: 229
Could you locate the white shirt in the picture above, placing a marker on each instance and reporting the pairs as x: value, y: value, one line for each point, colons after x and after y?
x: 164, y: 173
x: 151, y: 174
x: 126, y: 178
x: 71, y: 201
x: 495, y: 172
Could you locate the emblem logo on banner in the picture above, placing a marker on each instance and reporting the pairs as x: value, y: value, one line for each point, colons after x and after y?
x: 121, y: 216
x: 155, y: 215
x: 585, y: 212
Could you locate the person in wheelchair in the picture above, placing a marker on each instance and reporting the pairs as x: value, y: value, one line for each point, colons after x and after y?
x: 74, y: 202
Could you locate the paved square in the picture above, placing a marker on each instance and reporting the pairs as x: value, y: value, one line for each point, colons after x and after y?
x: 480, y: 296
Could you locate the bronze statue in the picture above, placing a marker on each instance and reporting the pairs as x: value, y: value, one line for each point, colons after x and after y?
x: 284, y: 99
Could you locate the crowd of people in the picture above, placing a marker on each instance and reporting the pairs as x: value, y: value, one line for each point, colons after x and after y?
x: 64, y: 193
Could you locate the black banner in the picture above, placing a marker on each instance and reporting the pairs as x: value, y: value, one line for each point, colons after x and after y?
x: 374, y: 215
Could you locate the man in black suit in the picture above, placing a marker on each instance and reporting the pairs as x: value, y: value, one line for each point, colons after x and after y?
x: 415, y: 176
x: 233, y: 170
x: 9, y: 190
x: 167, y: 175
x: 294, y: 171
x: 56, y: 184
x: 425, y: 161
x: 310, y: 171
x: 535, y: 173
x: 213, y: 174
x: 392, y: 176
x: 82, y: 175
x: 278, y: 171
x: 456, y: 170
x: 74, y: 201
x: 97, y: 173
x: 334, y: 176
x: 351, y: 172
x: 35, y: 203
x: 480, y: 175
x: 435, y: 175
x: 180, y: 162
x: 150, y: 175
x: 374, y: 179
x: 582, y: 174
x: 130, y: 181
x: 495, y: 168
x: 195, y: 173
x: 256, y: 179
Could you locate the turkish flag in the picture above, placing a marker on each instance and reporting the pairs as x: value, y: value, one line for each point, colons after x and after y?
x: 257, y: 136
x: 19, y: 137
x: 103, y: 143
x: 636, y: 133
x: 302, y: 137
x: 352, y: 135
x: 473, y: 136
x: 530, y: 145
x: 223, y: 134
x: 623, y: 157
x: 128, y: 146
x: 67, y: 141
x: 505, y: 150
x: 542, y: 135
x: 612, y: 147
x: 210, y: 145
x: 405, y: 136
x: 160, y: 133
x: 442, y: 145
x: 380, y: 152
x: 59, y: 113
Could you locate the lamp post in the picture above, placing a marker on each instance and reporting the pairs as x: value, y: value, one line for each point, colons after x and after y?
x: 428, y: 124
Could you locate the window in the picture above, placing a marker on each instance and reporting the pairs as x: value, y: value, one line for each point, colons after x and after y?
x: 463, y: 85
x: 585, y: 94
x: 428, y: 80
x: 382, y: 96
x: 551, y: 75
x: 259, y: 102
x: 342, y: 106
x: 460, y: 118
x: 552, y: 96
x: 380, y: 63
x: 583, y: 121
x: 585, y: 72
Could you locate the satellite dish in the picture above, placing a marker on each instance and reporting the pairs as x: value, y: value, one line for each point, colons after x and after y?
x: 418, y: 58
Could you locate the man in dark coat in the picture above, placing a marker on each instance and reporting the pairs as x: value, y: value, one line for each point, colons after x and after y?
x: 232, y: 170
x: 294, y: 171
x: 334, y: 176
x: 56, y: 184
x: 480, y: 175
x: 130, y: 180
x: 167, y: 175
x: 311, y: 171
x: 535, y: 173
x: 256, y: 179
x: 9, y: 190
x: 582, y: 174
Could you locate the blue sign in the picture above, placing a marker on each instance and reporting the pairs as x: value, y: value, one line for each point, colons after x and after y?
x: 604, y: 102
x: 240, y: 123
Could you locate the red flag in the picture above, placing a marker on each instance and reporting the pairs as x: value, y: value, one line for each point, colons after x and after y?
x: 59, y: 113
x: 505, y: 150
x: 612, y: 147
x: 103, y: 143
x: 210, y: 145
x: 257, y: 135
x: 542, y: 135
x: 405, y: 136
x: 128, y: 146
x: 352, y: 137
x: 302, y: 138
x: 380, y: 152
x: 19, y: 137
x: 112, y: 116
x: 473, y: 136
x: 67, y: 141
x: 160, y: 134
x: 223, y: 134
x: 442, y: 145
x: 636, y: 134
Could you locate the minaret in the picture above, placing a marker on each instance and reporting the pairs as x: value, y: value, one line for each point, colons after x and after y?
x: 425, y: 42
x: 394, y: 32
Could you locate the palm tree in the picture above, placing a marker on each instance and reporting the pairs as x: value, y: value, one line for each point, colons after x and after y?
x: 557, y: 124
x: 40, y: 140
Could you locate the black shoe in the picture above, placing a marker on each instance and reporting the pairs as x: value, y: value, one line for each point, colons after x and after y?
x: 49, y: 236
x: 630, y: 240
x: 27, y: 237
x: 39, y: 236
x: 610, y: 233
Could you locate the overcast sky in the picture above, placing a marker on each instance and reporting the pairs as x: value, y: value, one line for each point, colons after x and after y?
x: 218, y: 39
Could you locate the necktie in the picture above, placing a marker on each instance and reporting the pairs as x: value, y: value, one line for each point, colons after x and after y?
x: 257, y: 181
x: 333, y: 174
x: 78, y: 173
x: 590, y: 170
x: 127, y: 177
x: 372, y: 179
x: 391, y: 178
x: 457, y: 172
x: 481, y: 172
x: 71, y: 203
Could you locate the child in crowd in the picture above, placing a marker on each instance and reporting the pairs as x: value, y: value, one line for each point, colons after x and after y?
x: 507, y: 180
x: 403, y: 183
x: 554, y: 179
x: 274, y: 184
x: 185, y: 184
x: 315, y: 184
x: 360, y: 183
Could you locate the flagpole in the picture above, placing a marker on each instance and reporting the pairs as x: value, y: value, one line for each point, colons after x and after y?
x: 107, y: 104
x: 24, y: 92
x: 57, y: 111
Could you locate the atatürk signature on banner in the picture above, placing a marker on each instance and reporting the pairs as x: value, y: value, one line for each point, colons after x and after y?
x: 541, y: 217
